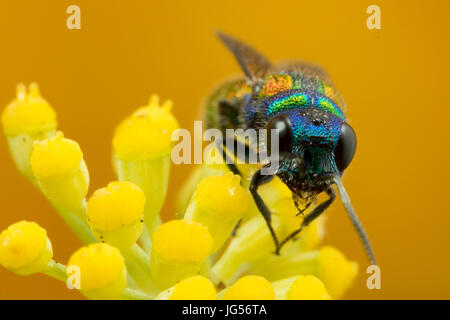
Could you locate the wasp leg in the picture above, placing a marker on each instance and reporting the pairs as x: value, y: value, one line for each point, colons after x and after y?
x: 230, y: 163
x: 304, y: 209
x: 257, y: 180
x: 310, y: 217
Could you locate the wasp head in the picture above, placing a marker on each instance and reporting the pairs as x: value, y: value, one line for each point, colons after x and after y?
x: 313, y: 146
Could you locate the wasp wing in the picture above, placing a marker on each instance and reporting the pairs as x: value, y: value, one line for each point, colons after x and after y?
x: 253, y: 64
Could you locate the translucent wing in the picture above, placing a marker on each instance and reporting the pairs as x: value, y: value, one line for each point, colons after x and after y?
x: 253, y: 64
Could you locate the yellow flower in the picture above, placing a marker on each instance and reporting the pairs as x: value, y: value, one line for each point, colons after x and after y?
x: 28, y: 113
x: 101, y: 269
x: 141, y: 154
x: 142, y: 258
x: 218, y: 203
x: 115, y: 213
x: 192, y: 288
x: 27, y: 119
x: 328, y: 264
x: 55, y: 157
x: 179, y: 250
x: 25, y: 248
x: 146, y: 132
x: 250, y: 288
x: 336, y: 272
x: 303, y: 287
x: 182, y: 240
x: 61, y: 172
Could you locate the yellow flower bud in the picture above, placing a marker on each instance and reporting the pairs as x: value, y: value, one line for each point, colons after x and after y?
x: 115, y: 213
x: 146, y: 132
x: 223, y: 195
x: 61, y: 172
x: 336, y: 272
x: 56, y: 156
x: 218, y: 203
x: 192, y: 288
x: 28, y: 113
x: 101, y: 269
x: 26, y: 119
x: 307, y: 288
x: 301, y: 288
x: 25, y: 248
x: 178, y: 251
x: 250, y: 288
x: 142, y: 144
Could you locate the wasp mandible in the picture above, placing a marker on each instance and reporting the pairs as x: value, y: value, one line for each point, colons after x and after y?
x: 300, y: 103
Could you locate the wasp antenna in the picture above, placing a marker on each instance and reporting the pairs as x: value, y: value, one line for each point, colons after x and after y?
x: 253, y: 64
x: 355, y: 220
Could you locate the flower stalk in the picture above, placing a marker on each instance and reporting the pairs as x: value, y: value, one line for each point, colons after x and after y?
x: 61, y: 174
x: 141, y: 154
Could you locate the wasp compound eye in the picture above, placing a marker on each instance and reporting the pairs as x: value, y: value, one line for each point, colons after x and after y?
x: 346, y: 147
x: 282, y: 124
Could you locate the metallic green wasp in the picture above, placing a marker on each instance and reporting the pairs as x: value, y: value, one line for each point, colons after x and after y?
x: 315, y: 142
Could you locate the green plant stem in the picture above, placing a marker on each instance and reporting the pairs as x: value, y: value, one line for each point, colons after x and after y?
x: 56, y: 270
x: 78, y: 226
x: 136, y: 259
x: 145, y: 240
x: 138, y: 265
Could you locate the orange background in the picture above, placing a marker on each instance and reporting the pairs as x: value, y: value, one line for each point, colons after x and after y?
x: 395, y: 82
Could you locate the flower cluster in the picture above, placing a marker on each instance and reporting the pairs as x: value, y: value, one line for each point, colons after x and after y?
x: 218, y: 247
